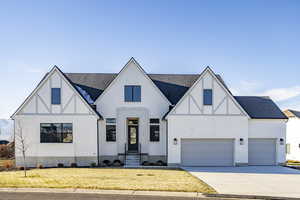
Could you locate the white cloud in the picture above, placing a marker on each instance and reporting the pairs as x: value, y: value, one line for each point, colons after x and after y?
x: 246, y: 88
x: 282, y: 94
x: 255, y: 88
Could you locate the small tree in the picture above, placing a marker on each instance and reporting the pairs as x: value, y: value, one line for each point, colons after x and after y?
x: 21, y: 144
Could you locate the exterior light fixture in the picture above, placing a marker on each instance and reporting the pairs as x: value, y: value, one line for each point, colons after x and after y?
x: 175, y: 141
x: 241, y: 141
x: 281, y: 140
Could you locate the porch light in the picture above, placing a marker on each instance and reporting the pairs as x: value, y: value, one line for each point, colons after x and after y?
x: 281, y: 141
x: 175, y: 141
x: 241, y: 141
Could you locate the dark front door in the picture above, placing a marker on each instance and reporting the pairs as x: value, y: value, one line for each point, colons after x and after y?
x: 133, y: 133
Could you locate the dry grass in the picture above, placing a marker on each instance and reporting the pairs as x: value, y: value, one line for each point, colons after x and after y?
x: 4, y: 162
x: 108, y: 179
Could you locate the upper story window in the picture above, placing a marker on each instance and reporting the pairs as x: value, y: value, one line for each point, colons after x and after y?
x: 132, y: 93
x: 55, y: 96
x: 56, y: 133
x: 207, y: 97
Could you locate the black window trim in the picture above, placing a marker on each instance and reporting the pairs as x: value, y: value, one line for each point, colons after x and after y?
x: 54, y: 103
x: 108, y: 123
x: 154, y: 124
x: 132, y: 94
x: 61, y: 124
x: 212, y: 100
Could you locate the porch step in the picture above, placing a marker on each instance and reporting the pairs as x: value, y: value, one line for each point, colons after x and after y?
x: 132, y: 160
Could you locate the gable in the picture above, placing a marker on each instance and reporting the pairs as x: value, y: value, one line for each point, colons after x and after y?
x: 132, y: 74
x: 39, y: 102
x: 223, y: 102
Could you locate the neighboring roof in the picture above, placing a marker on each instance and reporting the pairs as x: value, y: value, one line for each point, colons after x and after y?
x: 260, y: 107
x: 292, y: 113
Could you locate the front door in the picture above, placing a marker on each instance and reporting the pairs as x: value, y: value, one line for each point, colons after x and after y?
x: 133, y: 135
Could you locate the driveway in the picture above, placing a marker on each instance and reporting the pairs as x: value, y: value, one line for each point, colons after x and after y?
x: 251, y: 180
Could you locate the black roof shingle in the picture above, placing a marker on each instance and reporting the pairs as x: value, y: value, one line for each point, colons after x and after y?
x: 174, y: 86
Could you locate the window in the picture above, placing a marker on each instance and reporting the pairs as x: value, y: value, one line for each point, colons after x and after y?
x: 55, y: 96
x: 288, y: 148
x: 154, y: 130
x: 110, y: 129
x: 56, y: 133
x: 132, y: 93
x: 207, y: 97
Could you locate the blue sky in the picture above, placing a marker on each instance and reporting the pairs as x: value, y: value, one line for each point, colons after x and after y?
x: 254, y: 45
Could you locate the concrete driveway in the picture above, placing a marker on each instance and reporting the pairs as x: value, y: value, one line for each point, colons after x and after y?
x: 251, y: 180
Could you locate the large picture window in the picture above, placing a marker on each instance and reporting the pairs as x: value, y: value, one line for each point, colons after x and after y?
x: 56, y: 133
x: 110, y: 129
x: 132, y: 93
x: 154, y: 130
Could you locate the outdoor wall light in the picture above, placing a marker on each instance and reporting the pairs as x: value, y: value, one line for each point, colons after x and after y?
x: 241, y: 141
x: 175, y: 141
x: 281, y: 140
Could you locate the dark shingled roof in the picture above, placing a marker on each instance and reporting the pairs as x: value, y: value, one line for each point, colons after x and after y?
x: 260, y: 107
x: 174, y: 86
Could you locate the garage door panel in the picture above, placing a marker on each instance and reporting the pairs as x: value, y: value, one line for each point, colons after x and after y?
x: 207, y: 152
x: 262, y: 151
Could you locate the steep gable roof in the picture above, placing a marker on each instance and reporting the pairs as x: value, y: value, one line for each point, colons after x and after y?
x: 46, y: 76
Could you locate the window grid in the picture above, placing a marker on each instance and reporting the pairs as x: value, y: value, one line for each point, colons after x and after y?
x: 111, y: 130
x: 154, y: 130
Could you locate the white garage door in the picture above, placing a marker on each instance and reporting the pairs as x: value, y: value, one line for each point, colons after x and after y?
x: 207, y: 152
x: 262, y: 151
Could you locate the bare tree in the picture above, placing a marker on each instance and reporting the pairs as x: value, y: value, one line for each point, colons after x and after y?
x: 21, y: 145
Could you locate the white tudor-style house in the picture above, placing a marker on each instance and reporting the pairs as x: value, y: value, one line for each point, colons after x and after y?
x: 132, y: 116
x: 292, y: 135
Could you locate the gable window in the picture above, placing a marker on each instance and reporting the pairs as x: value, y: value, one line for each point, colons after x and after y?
x: 207, y: 97
x: 56, y: 132
x: 55, y: 96
x: 132, y: 93
x: 154, y: 130
x: 110, y: 129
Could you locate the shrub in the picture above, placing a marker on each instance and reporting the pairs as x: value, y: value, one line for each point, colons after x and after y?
x: 146, y: 163
x: 6, y: 150
x: 60, y: 165
x: 39, y: 166
x: 8, y: 164
x: 160, y: 163
x: 106, y: 162
x: 21, y: 168
x: 93, y: 164
x: 117, y: 163
x: 73, y: 165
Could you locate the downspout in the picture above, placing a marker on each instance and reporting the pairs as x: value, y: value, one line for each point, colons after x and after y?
x: 167, y: 141
x: 98, y: 152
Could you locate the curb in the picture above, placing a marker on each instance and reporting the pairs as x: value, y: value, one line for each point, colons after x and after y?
x: 110, y: 192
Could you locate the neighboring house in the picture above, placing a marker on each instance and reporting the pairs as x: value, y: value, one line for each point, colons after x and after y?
x: 293, y: 135
x: 181, y: 119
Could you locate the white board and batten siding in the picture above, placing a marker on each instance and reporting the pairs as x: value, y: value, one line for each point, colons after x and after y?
x: 38, y: 109
x: 223, y: 124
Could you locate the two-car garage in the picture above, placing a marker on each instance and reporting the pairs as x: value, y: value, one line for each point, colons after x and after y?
x: 220, y: 152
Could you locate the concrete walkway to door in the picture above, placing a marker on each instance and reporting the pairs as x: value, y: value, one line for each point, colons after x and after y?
x: 251, y: 180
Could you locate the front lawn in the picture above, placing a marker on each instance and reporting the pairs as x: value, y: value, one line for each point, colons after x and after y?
x: 104, y: 178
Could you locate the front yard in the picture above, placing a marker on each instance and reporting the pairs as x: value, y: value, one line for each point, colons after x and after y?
x: 105, y: 178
